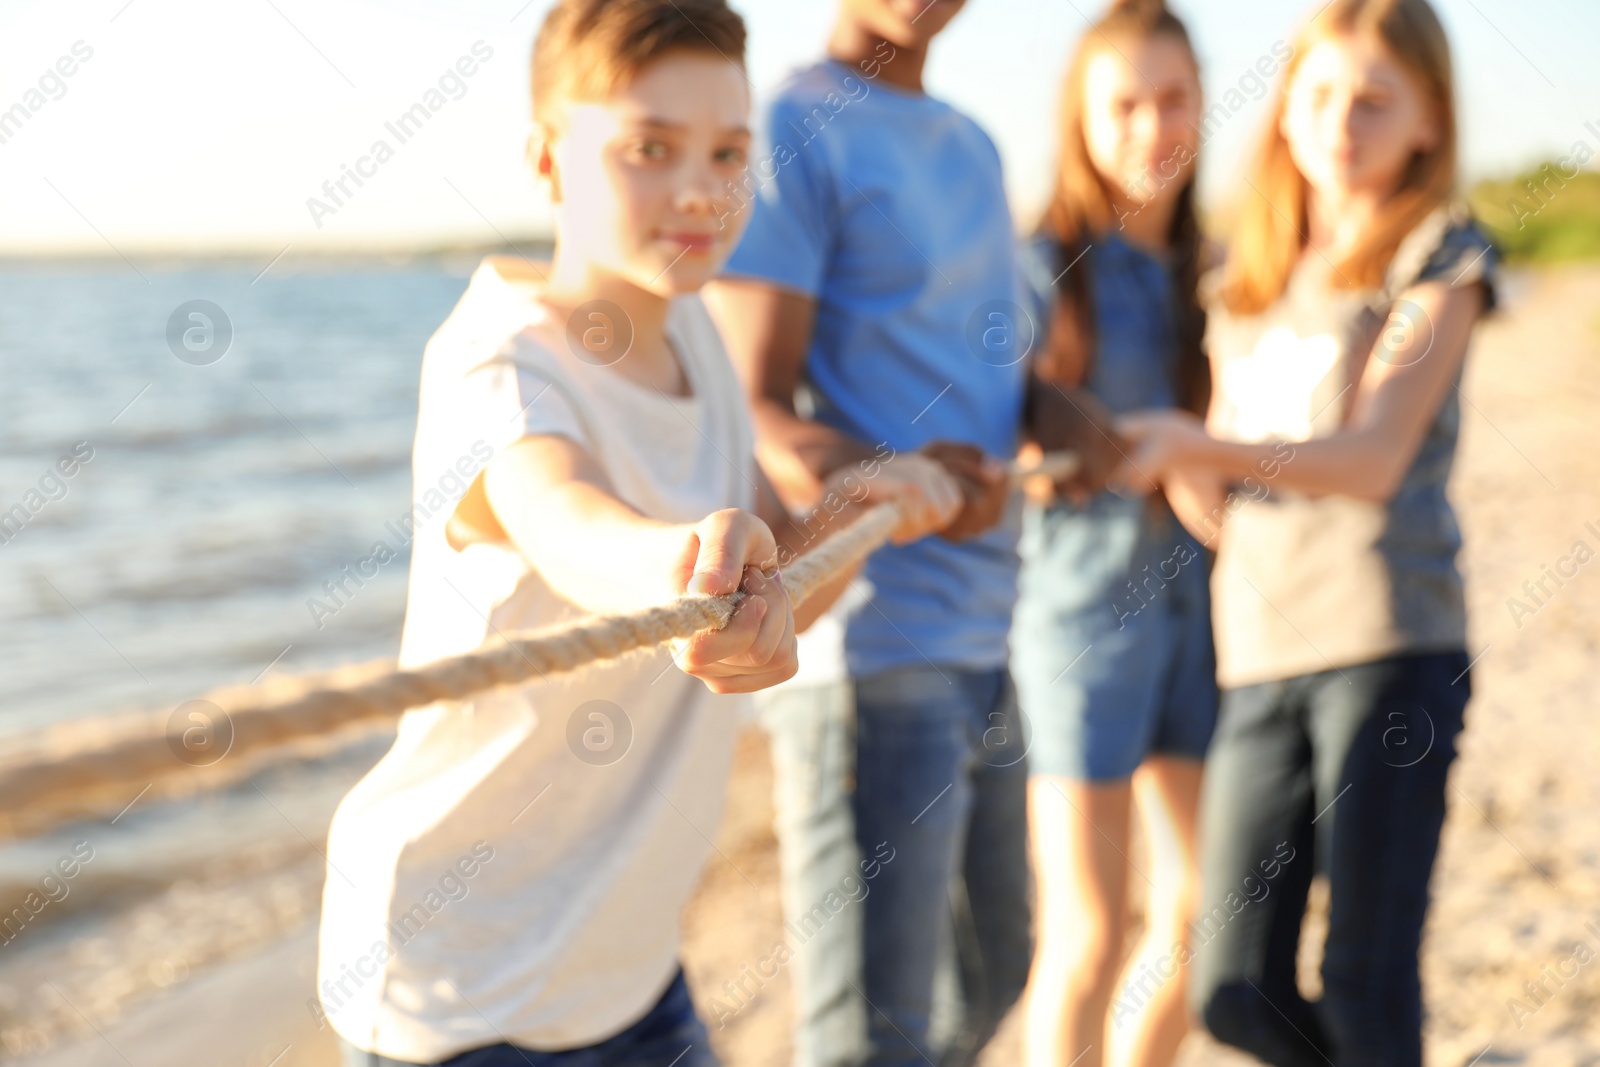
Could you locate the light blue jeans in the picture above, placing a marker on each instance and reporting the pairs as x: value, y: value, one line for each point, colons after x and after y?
x: 941, y: 779
x: 811, y: 730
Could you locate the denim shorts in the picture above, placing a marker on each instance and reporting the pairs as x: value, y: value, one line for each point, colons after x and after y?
x: 669, y: 1035
x: 1113, y: 659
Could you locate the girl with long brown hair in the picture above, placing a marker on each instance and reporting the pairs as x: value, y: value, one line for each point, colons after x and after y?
x: 1112, y: 641
x: 1337, y: 339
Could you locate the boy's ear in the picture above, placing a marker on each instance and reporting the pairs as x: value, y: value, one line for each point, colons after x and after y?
x: 543, y: 161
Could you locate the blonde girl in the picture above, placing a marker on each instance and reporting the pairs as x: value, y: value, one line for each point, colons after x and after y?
x: 1337, y: 338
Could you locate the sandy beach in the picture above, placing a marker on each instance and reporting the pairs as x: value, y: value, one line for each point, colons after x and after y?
x: 1511, y: 959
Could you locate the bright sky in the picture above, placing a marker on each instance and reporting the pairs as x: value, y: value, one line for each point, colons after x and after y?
x: 197, y: 125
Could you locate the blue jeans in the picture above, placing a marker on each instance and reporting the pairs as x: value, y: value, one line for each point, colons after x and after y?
x: 941, y: 780
x: 811, y: 731
x: 1342, y: 772
x: 669, y: 1035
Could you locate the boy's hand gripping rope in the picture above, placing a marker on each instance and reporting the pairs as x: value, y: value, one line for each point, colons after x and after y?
x: 98, y: 767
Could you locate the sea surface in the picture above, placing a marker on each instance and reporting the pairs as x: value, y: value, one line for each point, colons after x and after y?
x: 220, y: 495
x: 222, y: 469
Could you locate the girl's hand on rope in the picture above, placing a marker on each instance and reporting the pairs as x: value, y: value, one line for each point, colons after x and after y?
x: 1161, y: 440
x: 1038, y: 488
x: 929, y: 496
x: 1063, y: 418
x: 727, y: 551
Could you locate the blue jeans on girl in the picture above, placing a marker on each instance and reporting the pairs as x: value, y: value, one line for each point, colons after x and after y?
x: 1342, y: 772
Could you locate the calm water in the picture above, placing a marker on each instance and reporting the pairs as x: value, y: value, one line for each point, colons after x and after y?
x: 219, y: 497
x: 180, y: 557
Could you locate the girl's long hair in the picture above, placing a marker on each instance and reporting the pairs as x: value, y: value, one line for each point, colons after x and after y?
x: 1269, y: 232
x: 1082, y: 206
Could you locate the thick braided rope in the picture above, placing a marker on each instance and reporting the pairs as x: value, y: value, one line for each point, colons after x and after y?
x: 97, y: 767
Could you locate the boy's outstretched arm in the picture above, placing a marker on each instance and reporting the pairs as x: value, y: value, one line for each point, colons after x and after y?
x: 549, y: 498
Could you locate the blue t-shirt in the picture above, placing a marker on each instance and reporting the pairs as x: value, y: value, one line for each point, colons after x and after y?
x: 887, y: 207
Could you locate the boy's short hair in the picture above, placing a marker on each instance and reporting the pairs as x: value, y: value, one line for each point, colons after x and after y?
x: 588, y: 49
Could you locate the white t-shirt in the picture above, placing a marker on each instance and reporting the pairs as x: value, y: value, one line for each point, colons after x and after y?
x: 515, y: 867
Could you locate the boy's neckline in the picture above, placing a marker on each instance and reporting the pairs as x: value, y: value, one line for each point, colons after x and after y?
x: 893, y: 92
x: 528, y: 278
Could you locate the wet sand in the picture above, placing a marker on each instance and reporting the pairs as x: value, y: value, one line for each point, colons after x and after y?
x: 1517, y: 884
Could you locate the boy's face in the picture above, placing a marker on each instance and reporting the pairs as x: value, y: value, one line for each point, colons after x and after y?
x: 643, y: 180
x: 907, y: 23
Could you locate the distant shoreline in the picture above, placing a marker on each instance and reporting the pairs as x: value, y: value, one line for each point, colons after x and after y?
x: 256, y: 258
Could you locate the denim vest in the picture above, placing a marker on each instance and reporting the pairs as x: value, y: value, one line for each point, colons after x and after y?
x: 1088, y: 565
